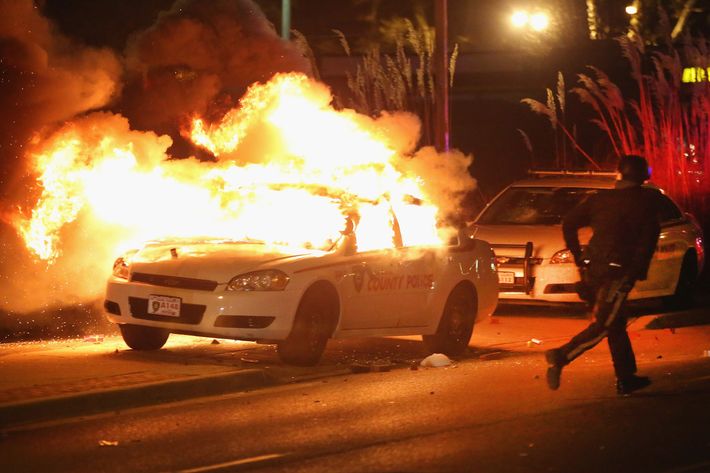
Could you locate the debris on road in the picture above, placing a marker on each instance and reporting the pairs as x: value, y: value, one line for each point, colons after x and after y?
x: 359, y: 368
x: 108, y: 443
x: 249, y: 360
x: 376, y: 367
x: 214, y: 342
x: 491, y: 356
x: 534, y: 341
x: 436, y: 360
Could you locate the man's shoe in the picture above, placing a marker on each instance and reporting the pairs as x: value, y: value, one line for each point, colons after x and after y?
x: 554, y: 371
x: 626, y: 386
x: 553, y: 377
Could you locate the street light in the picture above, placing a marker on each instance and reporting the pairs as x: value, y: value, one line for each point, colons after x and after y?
x: 519, y: 19
x: 631, y: 9
x: 539, y: 21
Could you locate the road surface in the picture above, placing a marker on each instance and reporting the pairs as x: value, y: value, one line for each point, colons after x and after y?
x: 489, y: 412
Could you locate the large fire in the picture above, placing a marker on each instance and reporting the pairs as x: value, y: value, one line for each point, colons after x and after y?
x: 289, y: 168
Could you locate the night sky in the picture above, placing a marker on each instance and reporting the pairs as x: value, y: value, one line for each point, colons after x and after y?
x: 151, y: 86
x: 53, y: 51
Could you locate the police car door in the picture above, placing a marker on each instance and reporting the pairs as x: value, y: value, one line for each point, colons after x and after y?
x: 415, y: 268
x: 371, y: 283
x: 369, y: 291
x: 666, y: 262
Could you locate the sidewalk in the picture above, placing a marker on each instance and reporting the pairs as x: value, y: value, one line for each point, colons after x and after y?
x: 42, y: 381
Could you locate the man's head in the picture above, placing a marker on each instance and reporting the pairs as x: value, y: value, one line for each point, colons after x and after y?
x: 634, y: 168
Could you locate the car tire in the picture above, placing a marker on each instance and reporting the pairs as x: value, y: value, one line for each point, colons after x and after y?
x: 143, y: 338
x: 456, y: 324
x: 309, y: 335
x: 684, y: 296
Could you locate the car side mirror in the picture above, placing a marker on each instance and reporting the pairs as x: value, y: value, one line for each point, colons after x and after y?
x: 349, y: 244
x: 349, y: 237
x: 466, y: 241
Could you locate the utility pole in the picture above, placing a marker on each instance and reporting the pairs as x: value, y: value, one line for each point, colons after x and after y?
x: 441, y: 76
x: 286, y: 19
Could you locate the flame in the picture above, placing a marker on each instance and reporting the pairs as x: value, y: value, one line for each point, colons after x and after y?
x: 290, y: 167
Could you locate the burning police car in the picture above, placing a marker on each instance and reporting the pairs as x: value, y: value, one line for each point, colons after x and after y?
x: 523, y: 224
x: 299, y: 298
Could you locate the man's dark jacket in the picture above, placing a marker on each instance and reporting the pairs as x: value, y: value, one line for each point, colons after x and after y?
x: 625, y: 225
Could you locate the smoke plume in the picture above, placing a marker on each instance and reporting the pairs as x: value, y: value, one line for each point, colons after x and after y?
x: 45, y: 78
x: 95, y: 134
x: 198, y: 59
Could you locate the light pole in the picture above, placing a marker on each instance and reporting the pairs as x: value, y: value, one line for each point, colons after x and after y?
x: 441, y: 77
x: 286, y: 19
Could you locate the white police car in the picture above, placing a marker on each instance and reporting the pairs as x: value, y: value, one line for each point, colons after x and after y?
x: 523, y: 224
x: 299, y: 298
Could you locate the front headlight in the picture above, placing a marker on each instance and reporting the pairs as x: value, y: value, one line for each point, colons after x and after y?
x: 266, y: 280
x: 562, y: 256
x: 120, y: 266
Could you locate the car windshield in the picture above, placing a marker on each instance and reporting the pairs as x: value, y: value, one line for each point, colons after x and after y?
x: 533, y: 205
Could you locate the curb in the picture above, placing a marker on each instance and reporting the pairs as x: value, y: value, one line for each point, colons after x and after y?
x: 61, y: 407
x: 686, y: 318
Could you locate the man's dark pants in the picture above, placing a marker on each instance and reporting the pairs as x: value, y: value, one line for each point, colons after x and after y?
x: 609, y: 321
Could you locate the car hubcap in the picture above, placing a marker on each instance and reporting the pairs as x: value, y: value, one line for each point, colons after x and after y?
x: 458, y: 321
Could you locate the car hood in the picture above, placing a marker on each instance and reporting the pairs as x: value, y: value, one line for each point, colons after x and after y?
x: 213, y: 260
x: 546, y: 239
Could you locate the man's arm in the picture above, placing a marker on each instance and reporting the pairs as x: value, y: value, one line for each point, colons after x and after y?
x: 579, y: 217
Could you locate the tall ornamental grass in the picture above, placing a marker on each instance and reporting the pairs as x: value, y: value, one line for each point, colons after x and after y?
x: 402, y: 80
x: 666, y: 121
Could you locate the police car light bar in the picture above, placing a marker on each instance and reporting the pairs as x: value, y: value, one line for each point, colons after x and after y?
x: 571, y: 173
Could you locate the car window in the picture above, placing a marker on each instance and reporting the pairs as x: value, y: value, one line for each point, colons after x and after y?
x: 533, y: 205
x: 668, y: 210
x: 375, y: 228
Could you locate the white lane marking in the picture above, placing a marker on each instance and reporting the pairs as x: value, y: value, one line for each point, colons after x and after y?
x: 701, y: 378
x: 242, y: 461
x: 697, y: 468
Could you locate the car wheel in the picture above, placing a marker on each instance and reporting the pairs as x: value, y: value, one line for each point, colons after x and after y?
x: 456, y: 325
x: 683, y: 297
x: 139, y: 337
x: 309, y: 335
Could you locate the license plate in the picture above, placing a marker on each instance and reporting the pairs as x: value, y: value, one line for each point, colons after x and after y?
x: 164, y: 305
x: 506, y: 277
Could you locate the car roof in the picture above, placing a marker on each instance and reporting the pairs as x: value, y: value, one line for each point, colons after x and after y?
x: 564, y: 179
x: 588, y: 180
